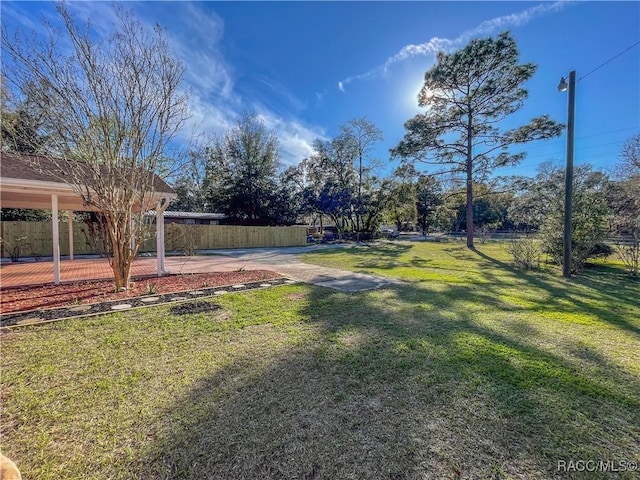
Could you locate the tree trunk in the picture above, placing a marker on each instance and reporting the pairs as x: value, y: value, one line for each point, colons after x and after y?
x: 121, y: 271
x: 469, y: 168
x: 469, y: 209
x: 122, y: 255
x: 359, y: 205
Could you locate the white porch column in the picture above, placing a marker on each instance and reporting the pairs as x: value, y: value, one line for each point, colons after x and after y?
x: 56, y: 239
x: 160, y: 208
x: 70, y: 222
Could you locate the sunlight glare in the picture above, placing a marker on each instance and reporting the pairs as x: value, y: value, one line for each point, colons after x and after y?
x: 410, y: 100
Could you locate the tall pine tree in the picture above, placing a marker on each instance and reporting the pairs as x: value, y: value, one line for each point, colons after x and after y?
x: 467, y: 94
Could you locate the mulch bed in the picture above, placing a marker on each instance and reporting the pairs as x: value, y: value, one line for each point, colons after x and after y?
x: 48, y: 296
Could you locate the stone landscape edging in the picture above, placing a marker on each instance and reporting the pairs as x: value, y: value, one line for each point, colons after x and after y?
x: 42, y: 316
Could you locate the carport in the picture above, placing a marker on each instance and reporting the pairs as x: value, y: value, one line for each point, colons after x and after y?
x: 27, y: 181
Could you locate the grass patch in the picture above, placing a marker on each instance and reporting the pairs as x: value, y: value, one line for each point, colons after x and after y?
x: 471, y: 369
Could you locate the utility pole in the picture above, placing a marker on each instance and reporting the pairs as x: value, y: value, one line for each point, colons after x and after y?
x: 568, y: 179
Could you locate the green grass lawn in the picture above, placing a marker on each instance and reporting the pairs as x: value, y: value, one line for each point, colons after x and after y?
x: 470, y: 369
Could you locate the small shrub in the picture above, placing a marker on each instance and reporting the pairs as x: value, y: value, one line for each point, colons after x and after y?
x: 628, y: 249
x: 483, y: 233
x: 525, y: 252
x: 583, y: 247
x: 185, y: 238
x: 14, y: 246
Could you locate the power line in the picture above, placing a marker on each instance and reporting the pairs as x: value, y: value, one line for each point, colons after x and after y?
x: 579, y: 152
x: 557, y: 156
x: 637, y: 127
x: 579, y: 149
x: 610, y: 60
x: 528, y: 165
x: 547, y: 144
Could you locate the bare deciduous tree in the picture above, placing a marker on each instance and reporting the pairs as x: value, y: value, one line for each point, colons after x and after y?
x: 624, y: 201
x: 112, y: 108
x: 630, y: 155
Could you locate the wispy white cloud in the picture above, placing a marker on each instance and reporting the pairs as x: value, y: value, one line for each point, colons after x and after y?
x: 437, y: 44
x: 101, y: 15
x: 320, y: 97
x: 14, y: 11
x: 207, y: 117
x: 281, y: 93
x: 295, y: 138
x: 196, y: 34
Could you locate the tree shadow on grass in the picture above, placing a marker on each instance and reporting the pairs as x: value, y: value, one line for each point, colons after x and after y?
x: 385, y: 251
x: 392, y: 385
x: 607, y: 294
x: 296, y: 418
x: 610, y: 298
x: 499, y: 392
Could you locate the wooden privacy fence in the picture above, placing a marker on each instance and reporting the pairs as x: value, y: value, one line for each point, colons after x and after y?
x: 182, y: 237
x: 34, y: 239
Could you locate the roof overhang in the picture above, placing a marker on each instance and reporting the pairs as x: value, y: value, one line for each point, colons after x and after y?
x: 36, y: 194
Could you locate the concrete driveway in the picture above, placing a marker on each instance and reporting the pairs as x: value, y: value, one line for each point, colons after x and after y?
x: 286, y: 261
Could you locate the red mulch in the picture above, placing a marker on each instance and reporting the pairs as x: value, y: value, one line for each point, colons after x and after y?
x: 47, y: 296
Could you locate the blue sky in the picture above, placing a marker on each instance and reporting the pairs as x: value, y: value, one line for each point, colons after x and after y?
x: 307, y: 67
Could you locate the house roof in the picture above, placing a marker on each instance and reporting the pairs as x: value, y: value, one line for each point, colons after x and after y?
x: 21, y: 166
x: 41, y: 168
x: 28, y: 181
x: 194, y: 215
